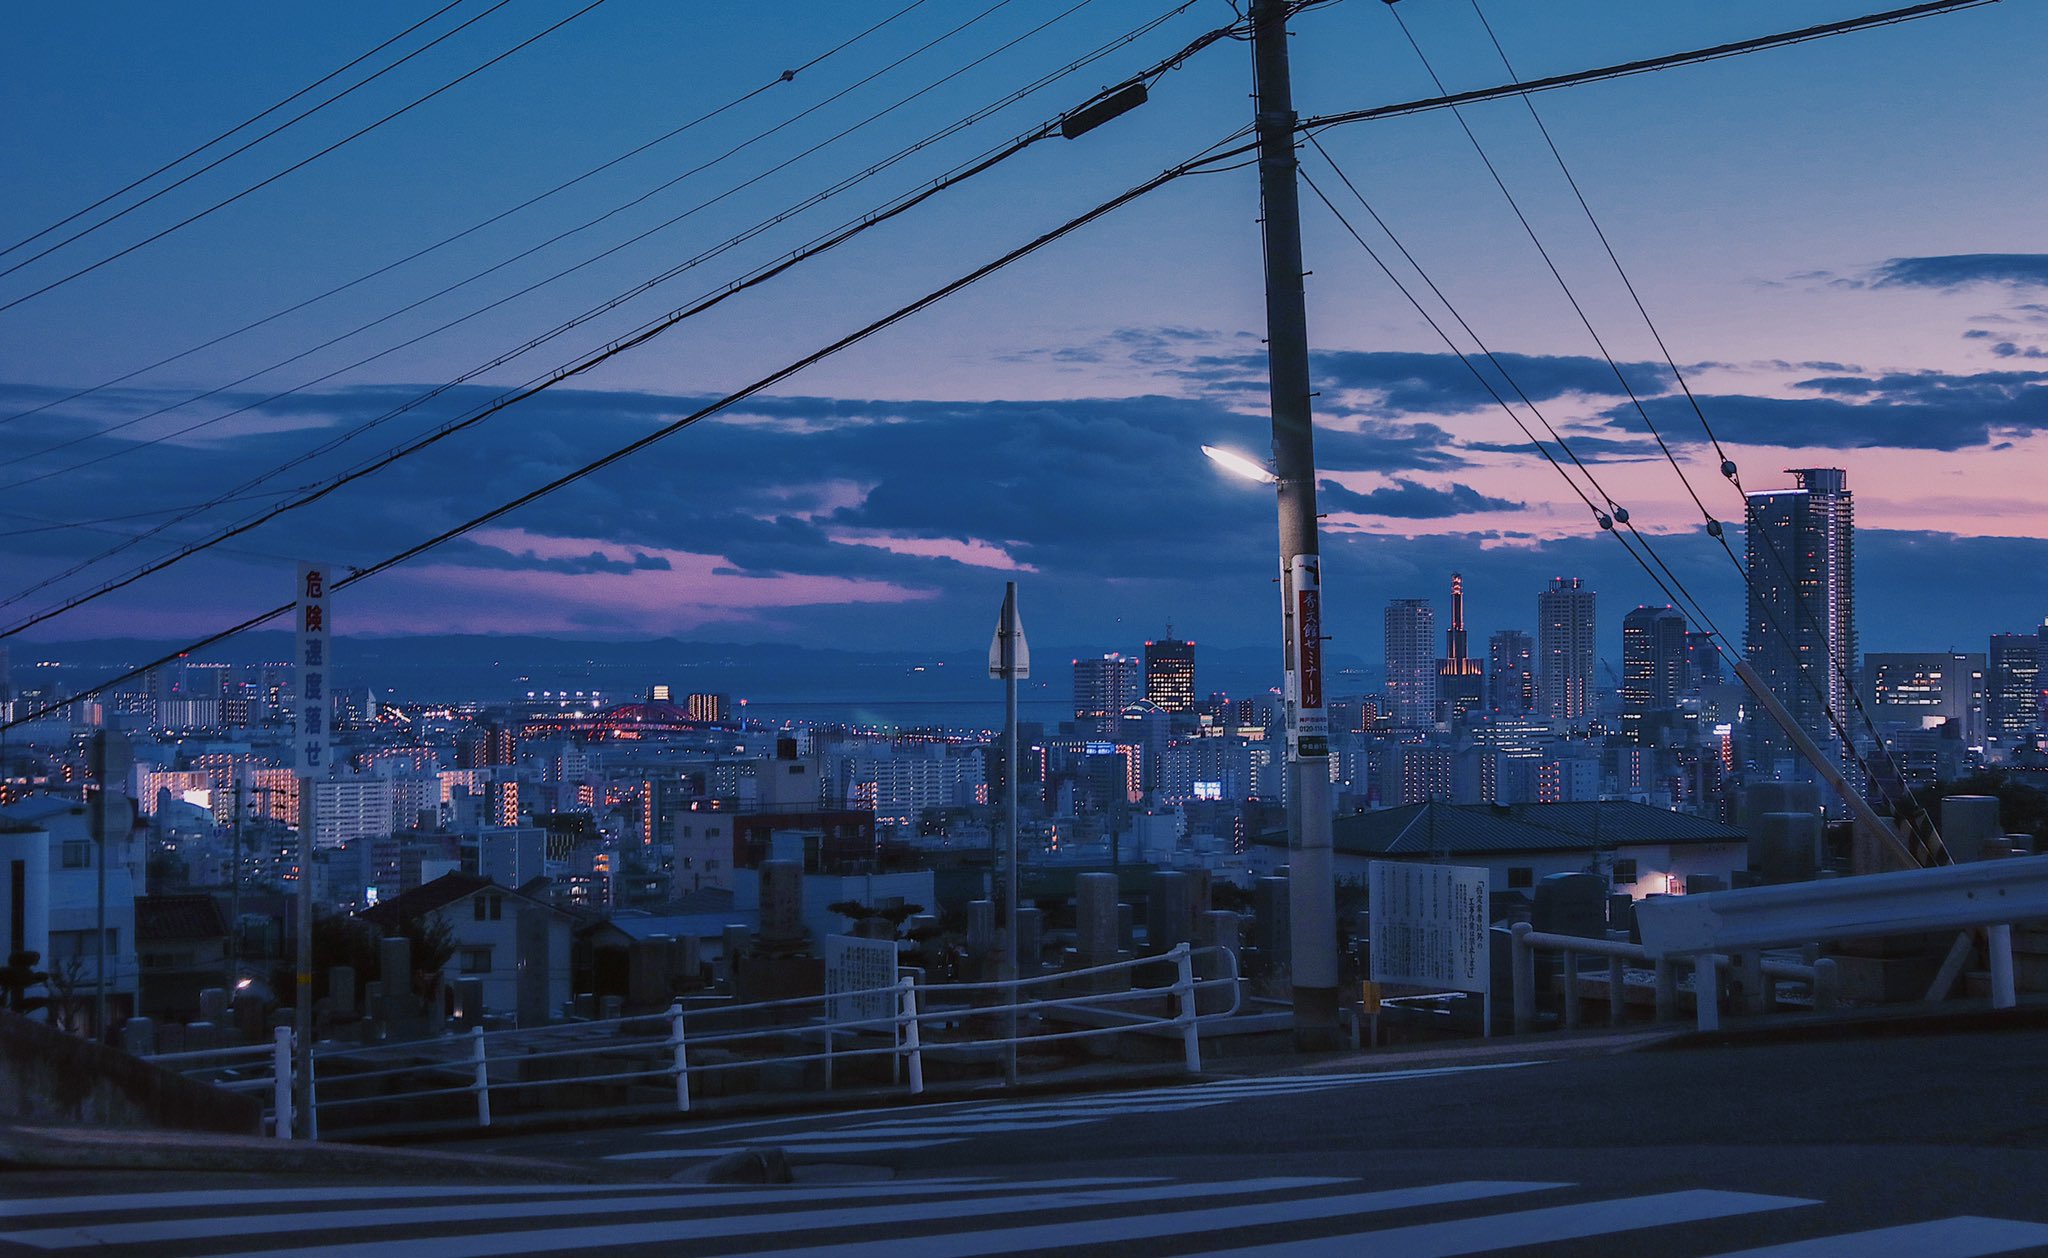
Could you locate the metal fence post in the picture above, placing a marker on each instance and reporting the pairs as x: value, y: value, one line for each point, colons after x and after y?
x: 1184, y: 989
x: 1523, y: 965
x: 682, y: 1061
x: 482, y: 1085
x: 1571, y: 991
x: 281, y: 1069
x: 1706, y: 991
x: 911, y: 1049
x: 1827, y: 985
x: 1667, y: 990
x: 1998, y: 942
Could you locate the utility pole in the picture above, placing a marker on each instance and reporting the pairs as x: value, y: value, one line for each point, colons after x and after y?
x: 1312, y: 901
x: 234, y: 948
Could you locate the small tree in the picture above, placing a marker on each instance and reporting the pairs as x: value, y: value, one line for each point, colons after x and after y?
x: 20, y: 974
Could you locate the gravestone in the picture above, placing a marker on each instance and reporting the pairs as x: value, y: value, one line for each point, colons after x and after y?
x: 1572, y: 904
x: 1095, y: 918
x: 1030, y: 941
x: 1969, y: 824
x: 341, y: 992
x: 782, y: 908
x: 1788, y: 846
x: 1168, y: 916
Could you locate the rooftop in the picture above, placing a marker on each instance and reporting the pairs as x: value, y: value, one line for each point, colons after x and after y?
x: 1457, y: 829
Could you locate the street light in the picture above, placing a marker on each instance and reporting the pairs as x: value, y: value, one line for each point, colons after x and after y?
x: 1240, y: 465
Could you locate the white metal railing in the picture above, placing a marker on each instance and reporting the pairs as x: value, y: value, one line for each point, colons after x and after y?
x: 245, y: 1068
x: 921, y: 1018
x: 1820, y: 977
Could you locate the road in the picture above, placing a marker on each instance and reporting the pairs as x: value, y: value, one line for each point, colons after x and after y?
x: 1933, y: 1146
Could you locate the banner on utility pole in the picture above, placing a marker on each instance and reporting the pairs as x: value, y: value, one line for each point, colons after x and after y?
x: 1308, y: 729
x: 315, y: 708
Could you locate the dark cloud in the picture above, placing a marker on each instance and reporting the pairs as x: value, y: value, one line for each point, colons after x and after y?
x: 1437, y: 384
x: 1912, y: 411
x: 1958, y: 269
x: 1408, y: 500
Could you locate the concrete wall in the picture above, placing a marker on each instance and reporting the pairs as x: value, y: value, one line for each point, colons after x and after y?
x: 47, y: 1076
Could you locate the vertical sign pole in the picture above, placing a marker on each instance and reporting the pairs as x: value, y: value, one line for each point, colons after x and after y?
x: 312, y: 712
x: 1009, y: 659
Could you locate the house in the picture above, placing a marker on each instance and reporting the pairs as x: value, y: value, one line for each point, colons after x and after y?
x: 67, y: 903
x: 1642, y: 850
x: 511, y: 939
x: 181, y: 949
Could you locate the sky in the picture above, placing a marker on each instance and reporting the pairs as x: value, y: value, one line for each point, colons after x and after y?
x: 1839, y: 243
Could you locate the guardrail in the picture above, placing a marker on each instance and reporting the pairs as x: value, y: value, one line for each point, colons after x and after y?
x: 1982, y: 895
x: 920, y: 1019
x: 1820, y: 977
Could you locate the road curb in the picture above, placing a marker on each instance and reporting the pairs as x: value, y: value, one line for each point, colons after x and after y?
x: 78, y: 1148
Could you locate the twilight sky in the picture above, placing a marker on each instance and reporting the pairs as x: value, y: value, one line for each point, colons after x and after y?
x: 1841, y: 243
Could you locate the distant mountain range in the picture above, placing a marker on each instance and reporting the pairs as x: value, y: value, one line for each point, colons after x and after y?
x: 486, y: 668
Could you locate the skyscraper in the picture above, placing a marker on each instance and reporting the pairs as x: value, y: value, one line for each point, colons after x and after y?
x: 1170, y: 673
x: 1103, y: 687
x: 1461, y: 683
x: 1511, y: 673
x: 2013, y: 687
x: 1653, y: 665
x: 1801, y: 630
x: 1411, y: 661
x: 1564, y: 650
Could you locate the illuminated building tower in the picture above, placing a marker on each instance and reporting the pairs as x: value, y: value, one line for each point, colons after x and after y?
x: 1170, y: 673
x: 2014, y: 687
x: 709, y: 707
x: 1702, y: 662
x: 1653, y: 665
x: 1411, y: 662
x: 1564, y: 650
x: 1460, y: 681
x: 1103, y: 687
x: 1511, y: 673
x: 1801, y: 629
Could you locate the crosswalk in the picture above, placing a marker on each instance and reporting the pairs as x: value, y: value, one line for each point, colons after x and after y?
x: 929, y: 1126
x: 961, y: 1218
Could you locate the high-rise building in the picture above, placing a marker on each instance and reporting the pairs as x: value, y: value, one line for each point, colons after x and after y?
x: 1564, y: 650
x: 1801, y: 629
x: 1917, y: 690
x: 1411, y: 661
x: 2013, y: 687
x: 1511, y: 673
x: 1461, y: 682
x: 1104, y: 685
x: 712, y: 708
x: 1170, y: 673
x: 1702, y: 662
x: 1653, y: 665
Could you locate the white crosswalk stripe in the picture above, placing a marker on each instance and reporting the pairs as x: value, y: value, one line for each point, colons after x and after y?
x: 961, y: 1218
x: 922, y: 1127
x: 957, y: 1218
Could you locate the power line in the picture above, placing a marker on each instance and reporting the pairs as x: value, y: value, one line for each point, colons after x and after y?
x: 1782, y: 39
x: 766, y: 382
x: 819, y: 243
x: 786, y: 76
x: 555, y: 377
x: 1837, y: 665
x: 498, y: 266
x: 298, y: 165
x: 250, y: 121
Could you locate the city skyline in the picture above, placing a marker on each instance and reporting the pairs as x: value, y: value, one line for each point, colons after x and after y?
x: 864, y: 496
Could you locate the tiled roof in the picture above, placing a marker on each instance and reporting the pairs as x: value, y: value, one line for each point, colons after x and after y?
x: 1423, y: 829
x: 166, y: 917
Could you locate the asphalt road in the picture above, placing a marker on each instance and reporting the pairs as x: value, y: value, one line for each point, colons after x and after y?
x: 1934, y: 1146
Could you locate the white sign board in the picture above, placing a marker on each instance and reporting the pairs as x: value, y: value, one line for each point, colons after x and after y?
x: 854, y: 971
x: 1429, y: 925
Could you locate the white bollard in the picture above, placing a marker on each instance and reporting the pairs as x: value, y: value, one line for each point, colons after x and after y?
x: 911, y: 1048
x: 281, y: 1070
x: 1184, y: 989
x: 682, y: 1062
x: 482, y: 1086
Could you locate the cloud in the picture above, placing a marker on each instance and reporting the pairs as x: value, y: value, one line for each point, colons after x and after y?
x: 1902, y: 410
x: 1408, y: 500
x: 1956, y: 270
